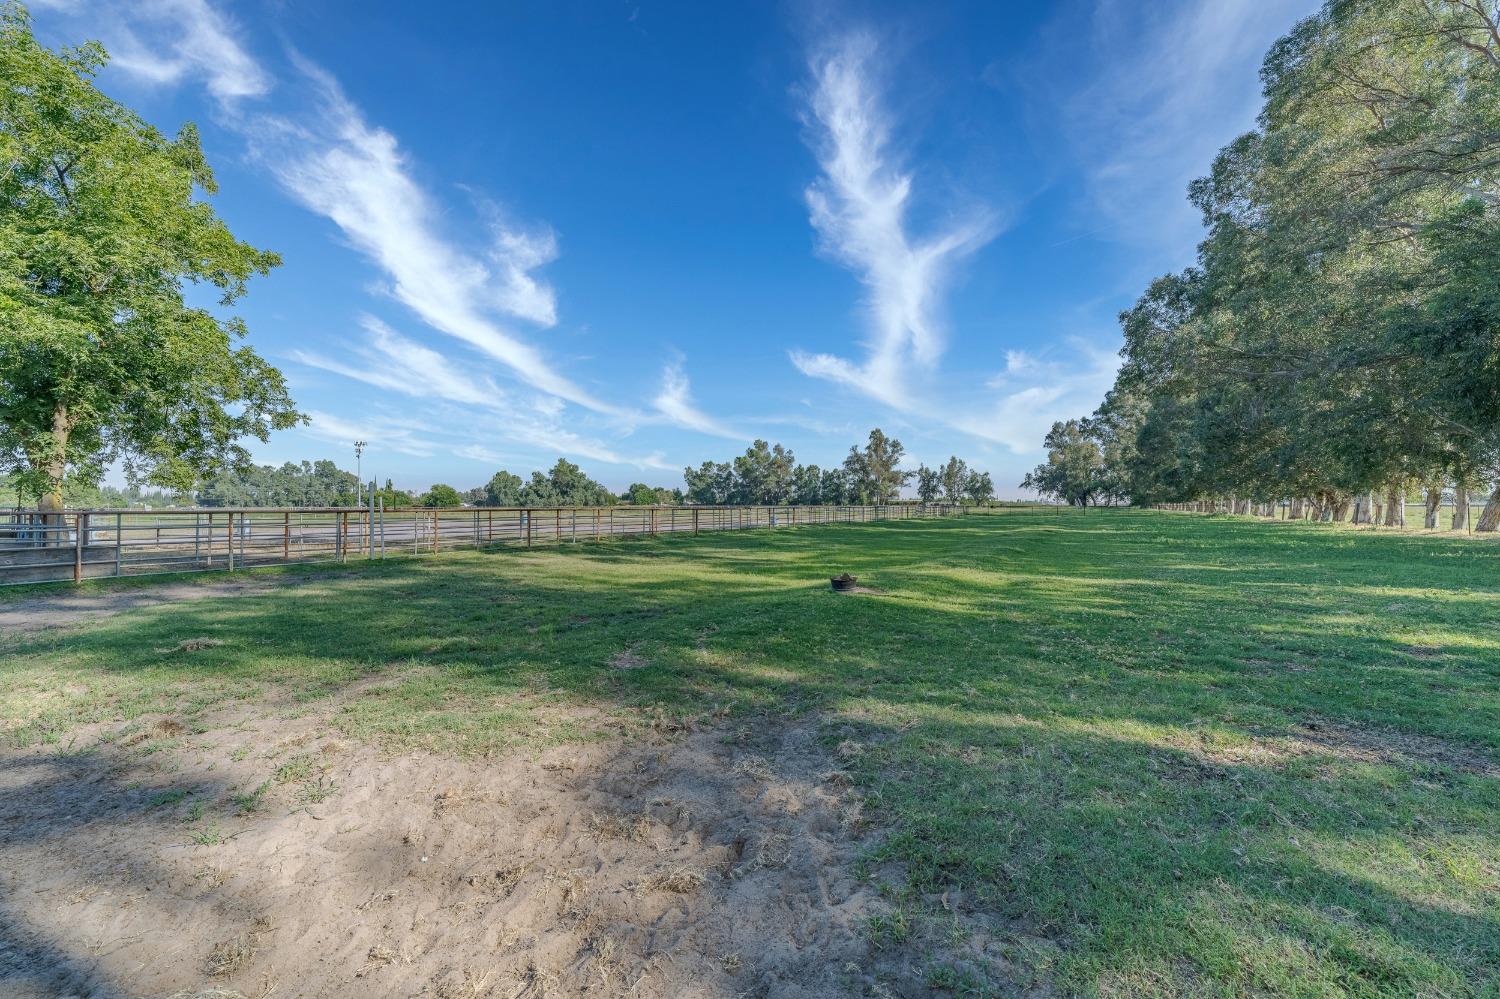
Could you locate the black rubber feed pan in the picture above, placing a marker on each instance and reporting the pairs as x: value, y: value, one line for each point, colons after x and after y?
x: 844, y: 583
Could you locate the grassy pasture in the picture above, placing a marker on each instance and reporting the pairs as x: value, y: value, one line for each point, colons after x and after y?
x: 1155, y: 754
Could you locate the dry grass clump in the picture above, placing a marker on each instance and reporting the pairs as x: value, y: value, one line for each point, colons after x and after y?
x: 228, y: 956
x: 163, y: 728
x: 679, y: 880
x: 772, y: 852
x: 192, y: 645
x: 575, y: 892
x: 850, y: 749
x: 754, y: 767
x: 502, y: 882
x: 471, y: 985
x: 626, y: 659
x: 378, y: 957
x: 612, y: 825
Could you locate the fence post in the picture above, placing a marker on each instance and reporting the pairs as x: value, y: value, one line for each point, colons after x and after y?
x: 80, y: 522
x: 527, y: 515
x: 229, y: 536
x: 338, y: 535
x: 286, y: 535
x: 652, y: 513
x: 436, y: 527
x: 119, y: 541
x: 695, y: 520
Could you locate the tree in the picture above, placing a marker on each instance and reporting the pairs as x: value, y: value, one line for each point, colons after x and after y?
x: 710, y: 484
x: 318, y: 483
x: 640, y: 494
x: 834, y: 487
x: 1074, y: 462
x: 390, y: 496
x: 503, y: 489
x: 1338, y: 339
x: 979, y: 488
x: 874, y: 471
x: 441, y: 495
x: 100, y: 356
x: 954, y: 477
x: 564, y: 485
x: 763, y: 475
x: 929, y: 484
x: 807, y: 485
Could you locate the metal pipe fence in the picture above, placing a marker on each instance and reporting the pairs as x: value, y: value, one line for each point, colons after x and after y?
x: 84, y: 544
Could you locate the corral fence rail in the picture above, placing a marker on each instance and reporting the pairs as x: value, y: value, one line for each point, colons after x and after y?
x: 85, y: 544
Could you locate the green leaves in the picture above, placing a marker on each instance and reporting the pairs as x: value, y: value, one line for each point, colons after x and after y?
x: 101, y: 227
x: 1339, y: 332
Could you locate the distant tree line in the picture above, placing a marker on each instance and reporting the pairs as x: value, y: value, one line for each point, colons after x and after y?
x: 765, y: 474
x: 769, y: 474
x: 564, y: 485
x: 1337, y: 344
x: 954, y: 482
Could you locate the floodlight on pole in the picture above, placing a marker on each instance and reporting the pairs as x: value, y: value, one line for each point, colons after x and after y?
x: 359, y: 453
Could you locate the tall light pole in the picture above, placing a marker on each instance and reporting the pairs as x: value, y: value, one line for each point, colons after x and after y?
x: 359, y: 472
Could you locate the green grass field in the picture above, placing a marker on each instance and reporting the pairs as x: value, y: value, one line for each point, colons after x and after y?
x: 1155, y: 754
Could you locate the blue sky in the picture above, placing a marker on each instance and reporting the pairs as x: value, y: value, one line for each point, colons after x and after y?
x: 641, y: 234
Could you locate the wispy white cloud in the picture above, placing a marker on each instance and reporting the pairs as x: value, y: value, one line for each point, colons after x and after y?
x: 330, y: 159
x: 390, y: 361
x: 675, y: 402
x: 1033, y: 392
x: 335, y: 163
x: 189, y: 37
x: 1146, y: 95
x: 356, y: 176
x: 392, y: 435
x: 859, y: 207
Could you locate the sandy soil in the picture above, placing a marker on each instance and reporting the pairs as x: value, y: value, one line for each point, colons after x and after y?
x: 696, y: 863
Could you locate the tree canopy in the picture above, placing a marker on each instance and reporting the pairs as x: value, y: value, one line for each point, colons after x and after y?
x: 104, y: 224
x: 1338, y: 340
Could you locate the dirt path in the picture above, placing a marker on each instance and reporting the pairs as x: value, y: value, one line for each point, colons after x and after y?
x: 61, y: 607
x: 263, y: 856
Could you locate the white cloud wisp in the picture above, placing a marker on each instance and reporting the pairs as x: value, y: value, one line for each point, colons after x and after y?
x: 859, y: 208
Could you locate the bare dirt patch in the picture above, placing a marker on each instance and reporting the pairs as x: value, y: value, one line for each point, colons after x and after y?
x: 678, y: 866
x: 627, y: 659
x: 60, y: 606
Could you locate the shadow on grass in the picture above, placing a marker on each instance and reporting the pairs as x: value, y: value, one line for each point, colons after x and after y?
x: 1017, y: 704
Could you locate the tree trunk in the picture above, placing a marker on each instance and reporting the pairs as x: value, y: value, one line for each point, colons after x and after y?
x: 56, y: 461
x: 50, y: 504
x: 1434, y: 504
x: 1395, y: 507
x: 1364, y: 508
x: 1460, y: 506
x: 1297, y: 511
x: 1489, y: 519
